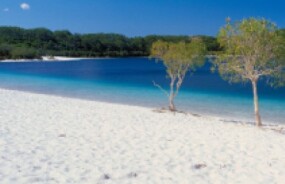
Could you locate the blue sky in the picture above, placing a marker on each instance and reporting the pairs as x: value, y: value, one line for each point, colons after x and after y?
x: 137, y: 17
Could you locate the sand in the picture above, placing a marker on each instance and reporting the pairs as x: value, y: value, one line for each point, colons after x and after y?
x: 19, y: 60
x: 47, y: 139
x: 45, y: 58
x: 62, y: 58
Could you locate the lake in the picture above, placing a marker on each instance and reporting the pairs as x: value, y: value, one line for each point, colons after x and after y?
x: 130, y: 81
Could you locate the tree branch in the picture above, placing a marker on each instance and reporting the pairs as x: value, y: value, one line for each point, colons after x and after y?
x: 159, y: 87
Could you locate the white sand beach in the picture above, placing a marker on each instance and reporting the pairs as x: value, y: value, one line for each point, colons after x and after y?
x: 19, y: 60
x: 61, y: 58
x: 46, y: 58
x: 47, y: 139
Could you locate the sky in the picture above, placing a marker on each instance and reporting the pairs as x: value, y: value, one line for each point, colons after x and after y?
x: 137, y: 17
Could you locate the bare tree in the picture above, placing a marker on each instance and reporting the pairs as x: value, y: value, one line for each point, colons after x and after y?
x: 253, y: 49
x: 178, y: 58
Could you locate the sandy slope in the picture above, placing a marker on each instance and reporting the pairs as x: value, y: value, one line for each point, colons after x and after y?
x: 45, y: 139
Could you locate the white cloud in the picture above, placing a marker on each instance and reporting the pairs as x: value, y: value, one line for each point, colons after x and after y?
x: 25, y: 6
x: 6, y: 10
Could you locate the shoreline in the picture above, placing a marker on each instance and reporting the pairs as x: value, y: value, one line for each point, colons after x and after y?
x: 47, y: 59
x: 60, y: 59
x: 162, y: 109
x: 56, y: 139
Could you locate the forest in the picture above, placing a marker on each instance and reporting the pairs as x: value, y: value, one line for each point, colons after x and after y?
x: 20, y: 43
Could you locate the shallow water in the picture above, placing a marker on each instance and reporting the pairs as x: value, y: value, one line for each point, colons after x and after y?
x: 130, y: 81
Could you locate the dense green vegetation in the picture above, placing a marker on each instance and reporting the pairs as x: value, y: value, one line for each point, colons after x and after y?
x: 16, y: 43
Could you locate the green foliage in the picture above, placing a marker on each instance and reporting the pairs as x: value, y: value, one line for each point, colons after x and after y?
x: 211, y: 43
x: 24, y: 53
x: 178, y: 58
x: 11, y: 35
x: 253, y: 48
x: 65, y: 43
x: 5, y: 51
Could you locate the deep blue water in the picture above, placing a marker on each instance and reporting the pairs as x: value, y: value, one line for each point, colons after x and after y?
x: 129, y: 81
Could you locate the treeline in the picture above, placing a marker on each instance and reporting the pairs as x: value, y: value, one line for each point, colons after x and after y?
x: 19, y: 43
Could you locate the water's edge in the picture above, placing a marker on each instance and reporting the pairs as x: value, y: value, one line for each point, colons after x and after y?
x: 129, y: 81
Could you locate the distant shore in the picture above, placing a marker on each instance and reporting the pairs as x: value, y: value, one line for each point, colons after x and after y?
x: 46, y: 138
x: 59, y: 58
x: 47, y: 58
x: 62, y: 58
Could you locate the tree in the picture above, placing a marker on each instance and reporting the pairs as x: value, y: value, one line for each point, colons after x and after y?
x: 137, y: 46
x: 178, y: 58
x: 5, y: 51
x: 11, y: 35
x: 24, y: 53
x: 65, y: 43
x: 62, y: 38
x: 252, y: 51
x: 150, y: 39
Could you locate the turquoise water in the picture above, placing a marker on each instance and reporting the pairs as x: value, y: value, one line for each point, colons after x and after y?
x: 129, y: 81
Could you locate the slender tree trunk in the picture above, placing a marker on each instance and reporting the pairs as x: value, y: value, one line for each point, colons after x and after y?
x: 171, y: 96
x: 171, y: 102
x: 256, y: 106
